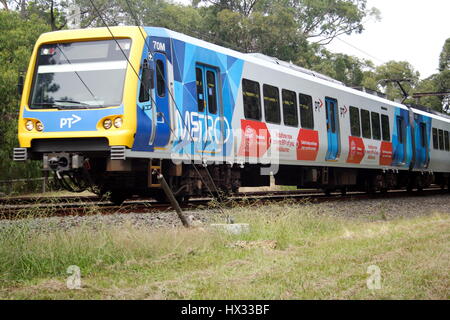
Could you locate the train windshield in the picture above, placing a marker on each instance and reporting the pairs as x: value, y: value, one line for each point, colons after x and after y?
x: 80, y: 75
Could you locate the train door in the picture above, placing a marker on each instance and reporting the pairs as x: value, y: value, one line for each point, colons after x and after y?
x: 421, y: 144
x: 162, y: 98
x: 207, y: 82
x: 331, y: 108
x: 400, y: 143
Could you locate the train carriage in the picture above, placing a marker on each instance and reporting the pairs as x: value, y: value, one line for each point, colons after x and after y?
x: 111, y: 108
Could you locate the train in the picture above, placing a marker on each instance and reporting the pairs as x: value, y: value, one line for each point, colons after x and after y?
x: 113, y: 109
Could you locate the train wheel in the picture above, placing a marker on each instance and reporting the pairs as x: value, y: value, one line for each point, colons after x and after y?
x: 182, y: 199
x: 160, y: 196
x: 118, y: 197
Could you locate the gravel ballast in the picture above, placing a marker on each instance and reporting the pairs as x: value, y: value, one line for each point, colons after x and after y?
x: 370, y: 209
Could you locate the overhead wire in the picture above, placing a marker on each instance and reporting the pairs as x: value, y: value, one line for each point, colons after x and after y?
x: 179, y: 112
x: 154, y: 102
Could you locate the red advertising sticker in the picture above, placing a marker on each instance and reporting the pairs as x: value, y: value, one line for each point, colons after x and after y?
x: 308, y: 145
x: 386, y: 154
x: 255, y: 139
x: 356, y: 150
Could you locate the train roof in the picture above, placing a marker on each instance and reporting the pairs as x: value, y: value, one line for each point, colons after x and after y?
x: 272, y: 63
x: 263, y: 60
x: 419, y: 109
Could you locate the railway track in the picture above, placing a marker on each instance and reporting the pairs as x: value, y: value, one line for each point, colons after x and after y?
x: 17, y: 208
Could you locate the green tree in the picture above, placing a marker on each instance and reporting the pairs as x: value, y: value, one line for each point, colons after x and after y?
x: 347, y: 69
x: 430, y: 84
x: 444, y: 58
x: 439, y: 82
x: 319, y: 21
x: 397, y: 70
x: 16, y: 43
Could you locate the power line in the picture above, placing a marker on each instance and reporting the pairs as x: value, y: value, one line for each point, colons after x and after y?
x: 360, y: 50
x: 170, y: 93
x: 179, y: 112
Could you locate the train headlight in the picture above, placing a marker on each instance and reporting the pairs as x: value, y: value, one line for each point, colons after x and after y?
x: 39, y: 126
x: 118, y: 122
x: 29, y: 125
x: 107, y: 124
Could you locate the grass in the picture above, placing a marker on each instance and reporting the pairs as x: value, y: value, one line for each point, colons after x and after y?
x: 291, y: 252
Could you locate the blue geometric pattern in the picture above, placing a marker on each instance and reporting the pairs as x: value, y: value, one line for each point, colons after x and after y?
x: 186, y: 57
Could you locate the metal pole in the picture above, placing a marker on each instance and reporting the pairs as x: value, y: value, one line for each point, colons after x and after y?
x: 173, y: 201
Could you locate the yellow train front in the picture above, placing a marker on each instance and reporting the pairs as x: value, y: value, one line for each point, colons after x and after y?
x: 78, y: 107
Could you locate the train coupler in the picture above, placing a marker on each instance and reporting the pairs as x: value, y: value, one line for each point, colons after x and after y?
x: 60, y: 162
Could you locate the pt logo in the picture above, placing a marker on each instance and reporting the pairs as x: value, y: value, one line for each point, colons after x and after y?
x: 68, y: 122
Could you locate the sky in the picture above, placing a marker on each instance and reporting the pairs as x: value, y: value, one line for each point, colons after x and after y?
x: 409, y: 30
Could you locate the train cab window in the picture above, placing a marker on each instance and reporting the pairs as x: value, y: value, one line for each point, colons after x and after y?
x: 435, y: 139
x: 290, y: 114
x: 423, y: 134
x: 306, y: 111
x: 365, y: 121
x: 252, y: 99
x: 212, y: 92
x: 160, y: 78
x: 400, y: 135
x: 376, y: 129
x: 144, y: 90
x: 271, y: 104
x: 355, y: 123
x: 200, y: 94
x: 441, y: 139
x: 446, y: 141
x: 385, y: 130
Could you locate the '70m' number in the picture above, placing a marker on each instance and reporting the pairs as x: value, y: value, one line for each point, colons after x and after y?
x: 159, y: 46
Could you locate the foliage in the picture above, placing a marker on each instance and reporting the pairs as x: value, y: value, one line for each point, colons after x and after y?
x: 400, y: 70
x: 16, y: 44
x: 439, y: 82
x: 444, y: 58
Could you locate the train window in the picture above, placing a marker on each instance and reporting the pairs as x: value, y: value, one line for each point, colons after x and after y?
x: 144, y: 89
x: 355, y: 123
x: 306, y: 111
x: 252, y: 99
x: 446, y: 141
x: 290, y: 114
x: 160, y: 78
x: 271, y: 104
x: 332, y: 107
x: 365, y: 121
x: 400, y: 130
x: 212, y: 92
x: 386, y: 131
x: 376, y: 129
x: 144, y: 95
x: 200, y: 94
x: 423, y: 134
x: 441, y: 139
x: 435, y: 139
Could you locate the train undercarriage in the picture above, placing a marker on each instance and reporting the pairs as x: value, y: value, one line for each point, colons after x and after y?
x: 122, y: 179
